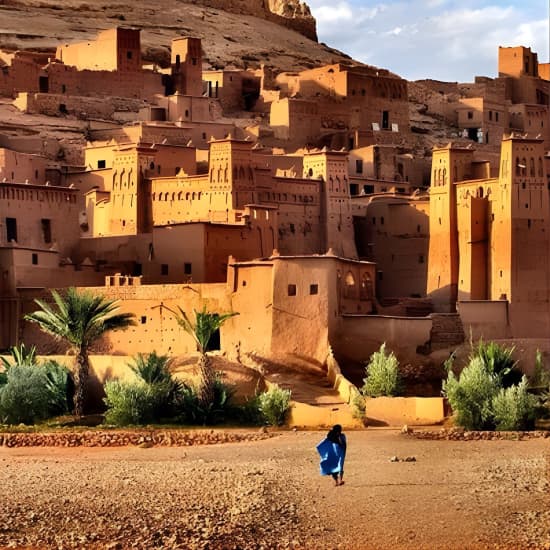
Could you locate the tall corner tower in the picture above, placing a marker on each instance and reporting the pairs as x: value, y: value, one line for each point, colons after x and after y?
x: 449, y: 165
x: 521, y: 228
x: 331, y: 169
x: 130, y: 193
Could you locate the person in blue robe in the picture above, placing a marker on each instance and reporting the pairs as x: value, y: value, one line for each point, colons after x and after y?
x: 332, y: 451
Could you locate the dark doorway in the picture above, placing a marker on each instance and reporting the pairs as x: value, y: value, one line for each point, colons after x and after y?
x: 215, y: 342
x: 11, y: 229
x: 168, y: 83
x: 43, y: 84
x: 385, y: 120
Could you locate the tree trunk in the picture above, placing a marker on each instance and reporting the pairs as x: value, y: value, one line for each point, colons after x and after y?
x: 207, y: 381
x: 81, y: 382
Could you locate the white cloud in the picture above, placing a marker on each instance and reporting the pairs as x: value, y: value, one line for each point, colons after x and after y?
x: 441, y: 39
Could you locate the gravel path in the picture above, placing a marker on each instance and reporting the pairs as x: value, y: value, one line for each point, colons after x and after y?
x: 268, y: 494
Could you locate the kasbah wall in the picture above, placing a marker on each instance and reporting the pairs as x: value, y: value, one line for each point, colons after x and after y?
x: 314, y: 263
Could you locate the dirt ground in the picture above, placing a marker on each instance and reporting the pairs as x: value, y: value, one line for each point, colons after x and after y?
x: 268, y: 494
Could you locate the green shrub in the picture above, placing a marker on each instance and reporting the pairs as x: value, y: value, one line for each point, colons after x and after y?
x: 192, y: 412
x: 514, y: 408
x: 358, y: 407
x: 498, y: 360
x: 248, y: 413
x: 382, y: 374
x: 471, y: 395
x: 274, y: 405
x: 25, y: 397
x: 541, y: 375
x: 155, y: 371
x: 152, y: 368
x: 34, y: 392
x: 20, y: 355
x: 131, y: 403
x: 59, y: 385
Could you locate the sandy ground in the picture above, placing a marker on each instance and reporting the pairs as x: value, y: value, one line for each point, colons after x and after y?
x: 268, y: 494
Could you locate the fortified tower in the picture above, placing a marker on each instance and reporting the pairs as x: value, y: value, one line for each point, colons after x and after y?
x: 449, y: 165
x: 187, y: 66
x: 331, y: 169
x: 231, y: 176
x: 517, y: 62
x: 520, y: 233
x: 130, y: 194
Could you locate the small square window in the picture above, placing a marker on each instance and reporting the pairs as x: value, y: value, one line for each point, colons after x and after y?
x: 128, y: 55
x: 292, y: 290
x: 35, y: 259
x: 101, y: 164
x: 164, y: 269
x: 187, y: 268
x: 143, y: 319
x: 314, y: 289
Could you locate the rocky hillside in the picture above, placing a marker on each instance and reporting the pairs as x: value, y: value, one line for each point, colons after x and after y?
x: 235, y: 33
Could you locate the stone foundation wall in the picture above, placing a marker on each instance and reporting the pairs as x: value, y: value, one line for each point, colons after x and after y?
x: 113, y: 108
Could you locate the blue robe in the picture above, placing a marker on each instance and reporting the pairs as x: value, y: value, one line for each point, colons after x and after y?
x: 332, y: 456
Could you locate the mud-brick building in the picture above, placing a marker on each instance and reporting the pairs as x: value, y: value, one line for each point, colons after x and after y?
x: 489, y: 239
x: 292, y: 304
x: 149, y: 212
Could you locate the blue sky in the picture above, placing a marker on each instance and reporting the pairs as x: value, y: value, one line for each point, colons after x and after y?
x: 442, y: 39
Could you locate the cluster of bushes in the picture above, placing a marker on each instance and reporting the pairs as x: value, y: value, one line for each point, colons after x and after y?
x: 32, y: 391
x: 156, y: 397
x: 490, y: 392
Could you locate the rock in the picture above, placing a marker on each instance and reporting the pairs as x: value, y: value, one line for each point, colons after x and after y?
x: 409, y: 459
x: 394, y: 459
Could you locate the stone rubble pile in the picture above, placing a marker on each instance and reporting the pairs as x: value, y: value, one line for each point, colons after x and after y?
x: 142, y: 438
x: 459, y: 434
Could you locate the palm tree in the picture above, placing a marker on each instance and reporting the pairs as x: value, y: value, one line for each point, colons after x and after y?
x: 202, y: 329
x: 80, y: 319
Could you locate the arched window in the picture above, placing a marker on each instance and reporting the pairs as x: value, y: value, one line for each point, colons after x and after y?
x: 518, y: 167
x: 532, y: 167
x: 523, y: 166
x: 444, y: 176
x: 349, y: 285
x: 541, y: 169
x: 187, y: 196
x: 480, y: 193
x: 365, y: 292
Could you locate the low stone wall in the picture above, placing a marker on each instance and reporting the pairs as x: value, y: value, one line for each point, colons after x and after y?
x: 396, y: 411
x: 142, y: 438
x: 459, y: 434
x: 302, y: 415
